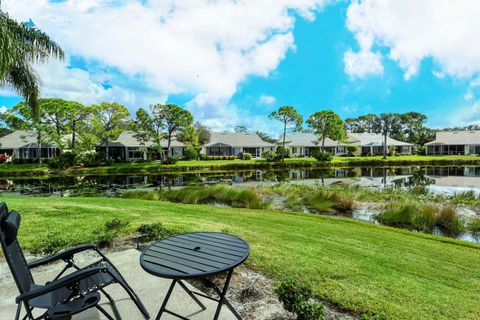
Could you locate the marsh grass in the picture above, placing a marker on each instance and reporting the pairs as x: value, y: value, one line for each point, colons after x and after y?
x: 423, y: 217
x: 217, y: 194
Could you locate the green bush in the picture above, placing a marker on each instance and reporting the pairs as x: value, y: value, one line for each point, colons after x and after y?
x: 278, y: 152
x: 65, y: 160
x: 50, y: 244
x: 170, y: 160
x: 297, y: 299
x: 247, y: 156
x: 352, y: 149
x: 269, y: 156
x: 231, y: 157
x: 322, y: 155
x: 190, y: 154
x: 93, y: 159
x: 203, y: 157
x: 109, y: 231
x: 153, y: 231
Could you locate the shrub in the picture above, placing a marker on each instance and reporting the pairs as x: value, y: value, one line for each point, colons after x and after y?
x: 352, y: 149
x: 269, y: 156
x: 279, y: 150
x: 297, y: 298
x: 190, y: 154
x: 49, y: 245
x: 231, y: 157
x: 247, y: 156
x: 110, y: 230
x: 170, y: 160
x: 203, y: 157
x: 153, y: 231
x: 3, y: 157
x: 93, y: 159
x: 322, y: 155
x: 65, y: 160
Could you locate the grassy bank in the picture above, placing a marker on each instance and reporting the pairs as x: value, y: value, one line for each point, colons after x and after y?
x: 196, y: 166
x: 364, y: 268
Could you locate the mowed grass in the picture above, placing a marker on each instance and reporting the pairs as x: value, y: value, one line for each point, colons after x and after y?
x: 360, y: 267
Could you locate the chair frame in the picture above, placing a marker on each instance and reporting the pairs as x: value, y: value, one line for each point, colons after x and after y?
x: 71, y: 281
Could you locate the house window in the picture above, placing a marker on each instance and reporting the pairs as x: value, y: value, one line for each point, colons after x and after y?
x: 341, y: 150
x: 134, y: 153
x: 177, y: 152
x: 294, y: 150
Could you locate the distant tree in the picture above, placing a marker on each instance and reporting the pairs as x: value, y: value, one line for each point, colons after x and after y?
x: 265, y: 137
x: 107, y: 121
x: 327, y: 124
x: 23, y: 117
x: 369, y: 123
x: 204, y: 134
x: 66, y: 117
x: 413, y: 126
x: 390, y: 123
x: 149, y: 127
x: 189, y: 136
x: 22, y: 46
x: 289, y: 116
x: 175, y: 119
x: 240, y: 128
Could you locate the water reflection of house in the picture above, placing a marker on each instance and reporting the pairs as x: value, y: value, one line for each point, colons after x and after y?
x: 455, y: 176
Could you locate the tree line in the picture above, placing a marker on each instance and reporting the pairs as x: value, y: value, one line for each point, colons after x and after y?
x: 71, y: 125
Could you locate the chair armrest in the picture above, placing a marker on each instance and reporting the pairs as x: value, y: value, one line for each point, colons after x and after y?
x: 64, y: 282
x: 63, y: 255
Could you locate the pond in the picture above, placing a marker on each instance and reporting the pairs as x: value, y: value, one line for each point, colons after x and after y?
x: 436, y: 179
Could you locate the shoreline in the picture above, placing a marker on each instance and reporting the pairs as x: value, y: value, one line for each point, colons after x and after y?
x: 154, y: 167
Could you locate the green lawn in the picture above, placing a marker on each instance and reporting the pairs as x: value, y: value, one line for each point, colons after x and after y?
x: 186, y: 166
x: 360, y: 267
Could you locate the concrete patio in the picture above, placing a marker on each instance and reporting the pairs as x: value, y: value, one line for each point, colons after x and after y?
x: 150, y: 289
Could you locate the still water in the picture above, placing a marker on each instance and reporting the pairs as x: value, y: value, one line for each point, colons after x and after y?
x: 436, y: 179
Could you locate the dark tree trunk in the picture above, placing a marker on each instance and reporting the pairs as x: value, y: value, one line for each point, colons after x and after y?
x: 106, y: 149
x: 385, y: 145
x: 74, y: 125
x: 39, y: 146
x: 323, y: 143
x: 168, y: 144
x: 283, y: 144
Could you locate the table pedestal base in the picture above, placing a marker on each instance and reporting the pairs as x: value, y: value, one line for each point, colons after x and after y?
x: 221, y: 301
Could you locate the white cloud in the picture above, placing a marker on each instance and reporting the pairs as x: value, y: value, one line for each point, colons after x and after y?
x: 194, y: 47
x: 60, y: 81
x: 363, y: 63
x: 3, y: 109
x: 413, y: 30
x: 266, y: 99
x: 219, y: 114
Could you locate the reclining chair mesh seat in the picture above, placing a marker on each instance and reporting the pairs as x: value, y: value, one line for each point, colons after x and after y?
x: 65, y: 295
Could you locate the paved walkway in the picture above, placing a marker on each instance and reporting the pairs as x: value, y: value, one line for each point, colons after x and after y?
x: 151, y: 290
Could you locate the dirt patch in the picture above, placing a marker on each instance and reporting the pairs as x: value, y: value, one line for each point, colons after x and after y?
x: 253, y: 296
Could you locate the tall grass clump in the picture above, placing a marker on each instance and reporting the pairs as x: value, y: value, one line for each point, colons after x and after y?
x: 449, y: 221
x: 474, y: 225
x: 216, y: 194
x: 469, y: 196
x: 423, y: 217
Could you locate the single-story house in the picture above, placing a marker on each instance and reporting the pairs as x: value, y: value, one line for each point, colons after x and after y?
x: 23, y: 144
x: 128, y: 148
x: 235, y: 143
x: 454, y: 143
x: 303, y: 144
x: 373, y: 144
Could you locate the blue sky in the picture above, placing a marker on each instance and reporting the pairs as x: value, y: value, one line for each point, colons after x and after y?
x: 300, y: 61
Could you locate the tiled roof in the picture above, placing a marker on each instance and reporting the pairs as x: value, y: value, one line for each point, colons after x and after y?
x: 306, y: 140
x: 20, y: 139
x: 127, y: 139
x: 237, y: 139
x: 373, y: 139
x: 456, y: 137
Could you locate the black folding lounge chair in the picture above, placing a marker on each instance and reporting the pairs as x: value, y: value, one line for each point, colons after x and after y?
x: 67, y: 294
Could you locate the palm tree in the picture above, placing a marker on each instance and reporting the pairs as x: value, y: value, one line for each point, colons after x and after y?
x: 22, y: 45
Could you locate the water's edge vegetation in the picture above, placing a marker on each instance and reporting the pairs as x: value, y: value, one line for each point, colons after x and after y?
x: 203, y: 165
x: 413, y: 209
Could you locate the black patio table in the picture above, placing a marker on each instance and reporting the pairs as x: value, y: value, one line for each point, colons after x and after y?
x: 195, y: 256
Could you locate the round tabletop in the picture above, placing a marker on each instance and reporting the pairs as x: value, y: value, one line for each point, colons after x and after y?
x: 194, y: 255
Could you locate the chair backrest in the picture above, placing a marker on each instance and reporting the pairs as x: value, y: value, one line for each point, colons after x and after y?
x: 9, y: 225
